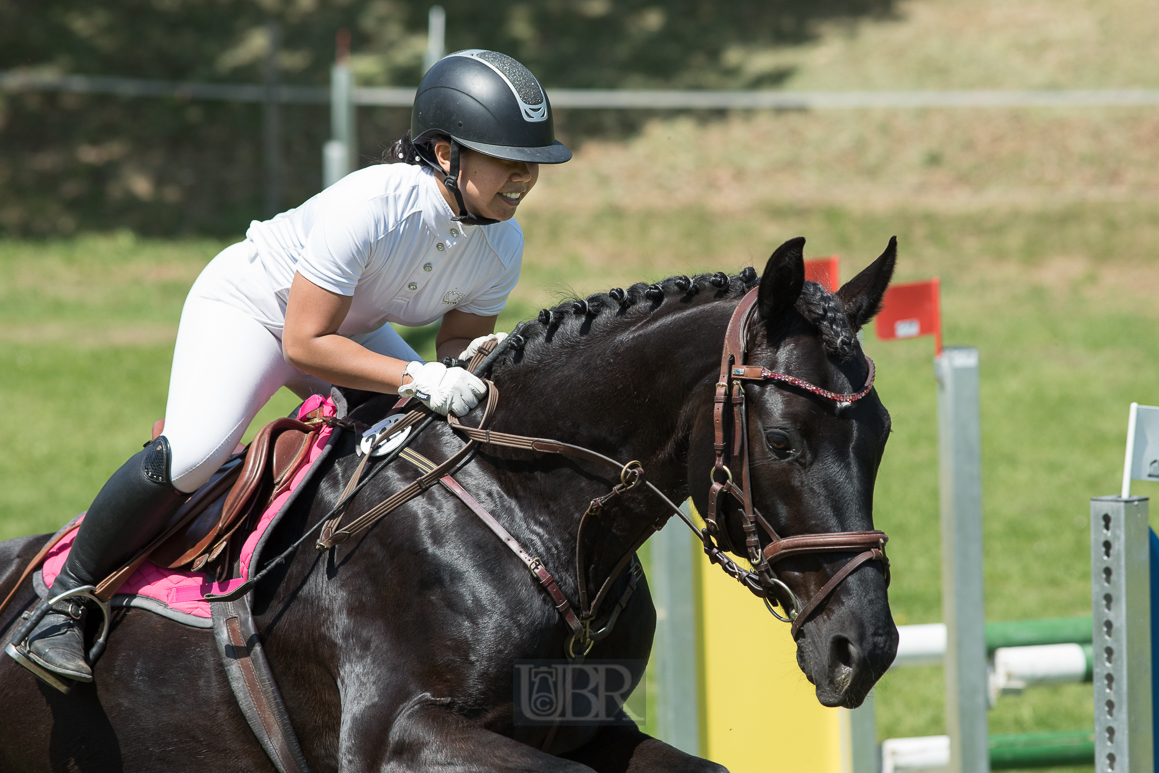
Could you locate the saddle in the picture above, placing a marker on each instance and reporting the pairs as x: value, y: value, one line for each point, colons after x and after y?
x: 243, y: 486
x: 200, y: 532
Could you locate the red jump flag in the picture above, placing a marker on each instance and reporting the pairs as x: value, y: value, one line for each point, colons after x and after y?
x: 911, y: 310
x: 823, y: 271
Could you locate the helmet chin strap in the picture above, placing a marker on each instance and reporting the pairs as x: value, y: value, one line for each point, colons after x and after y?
x: 451, y: 182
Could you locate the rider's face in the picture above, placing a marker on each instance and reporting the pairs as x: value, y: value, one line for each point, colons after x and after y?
x: 492, y: 188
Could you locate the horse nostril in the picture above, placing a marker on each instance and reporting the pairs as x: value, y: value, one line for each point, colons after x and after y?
x: 844, y: 662
x: 841, y: 651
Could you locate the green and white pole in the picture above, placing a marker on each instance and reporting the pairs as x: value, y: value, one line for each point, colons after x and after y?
x: 676, y: 653
x: 436, y: 36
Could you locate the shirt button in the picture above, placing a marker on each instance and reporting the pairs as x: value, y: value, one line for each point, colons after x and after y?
x: 454, y: 232
x: 428, y: 267
x: 413, y: 286
x: 440, y: 247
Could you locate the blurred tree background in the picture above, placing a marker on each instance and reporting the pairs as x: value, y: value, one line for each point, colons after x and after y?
x: 77, y: 162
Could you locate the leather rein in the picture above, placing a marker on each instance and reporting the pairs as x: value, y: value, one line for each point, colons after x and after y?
x: 729, y: 412
x: 584, y: 631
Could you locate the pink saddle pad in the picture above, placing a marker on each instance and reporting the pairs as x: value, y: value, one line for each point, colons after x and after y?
x: 184, y: 592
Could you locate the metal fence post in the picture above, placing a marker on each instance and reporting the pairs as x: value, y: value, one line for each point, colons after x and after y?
x: 339, y: 163
x: 676, y: 659
x: 960, y: 460
x: 1121, y: 547
x: 859, y: 752
x: 436, y: 35
x: 272, y: 123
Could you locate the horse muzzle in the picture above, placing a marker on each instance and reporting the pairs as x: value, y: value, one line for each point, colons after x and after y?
x: 844, y: 649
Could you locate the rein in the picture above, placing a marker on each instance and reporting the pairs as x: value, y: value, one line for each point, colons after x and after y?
x: 631, y: 476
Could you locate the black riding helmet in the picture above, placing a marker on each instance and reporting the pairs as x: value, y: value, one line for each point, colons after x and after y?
x: 490, y: 103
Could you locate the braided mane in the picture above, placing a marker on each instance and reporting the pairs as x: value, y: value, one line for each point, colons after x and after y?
x: 822, y: 309
x: 572, y: 321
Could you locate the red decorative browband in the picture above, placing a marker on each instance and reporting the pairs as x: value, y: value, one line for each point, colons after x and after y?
x: 757, y: 373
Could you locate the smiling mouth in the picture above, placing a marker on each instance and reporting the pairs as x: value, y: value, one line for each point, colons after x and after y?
x: 512, y: 198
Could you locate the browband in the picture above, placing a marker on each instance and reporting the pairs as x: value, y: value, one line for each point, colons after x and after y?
x: 757, y: 373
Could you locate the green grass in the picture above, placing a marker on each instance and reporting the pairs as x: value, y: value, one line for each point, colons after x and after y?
x: 975, y: 44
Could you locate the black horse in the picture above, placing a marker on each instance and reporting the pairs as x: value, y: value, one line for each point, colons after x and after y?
x: 395, y: 650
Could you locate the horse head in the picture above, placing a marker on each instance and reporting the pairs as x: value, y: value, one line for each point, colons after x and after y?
x: 815, y: 432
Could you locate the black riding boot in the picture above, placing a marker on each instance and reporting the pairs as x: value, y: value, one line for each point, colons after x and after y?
x: 130, y: 510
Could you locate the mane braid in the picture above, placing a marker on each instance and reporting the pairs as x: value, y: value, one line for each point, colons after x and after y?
x: 822, y: 309
x: 574, y: 318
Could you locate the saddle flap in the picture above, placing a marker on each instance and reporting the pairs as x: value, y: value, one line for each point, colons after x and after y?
x: 290, y: 450
x: 202, y: 513
x: 268, y: 466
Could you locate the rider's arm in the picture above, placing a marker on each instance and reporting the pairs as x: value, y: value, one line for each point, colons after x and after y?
x: 310, y: 341
x: 458, y: 329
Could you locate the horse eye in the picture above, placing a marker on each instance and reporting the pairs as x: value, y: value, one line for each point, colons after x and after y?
x: 778, y: 441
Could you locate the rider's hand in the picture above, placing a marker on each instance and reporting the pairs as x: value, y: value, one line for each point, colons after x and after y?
x: 473, y: 348
x: 444, y: 390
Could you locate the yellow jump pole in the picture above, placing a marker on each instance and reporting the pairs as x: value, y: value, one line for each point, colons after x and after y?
x: 758, y: 712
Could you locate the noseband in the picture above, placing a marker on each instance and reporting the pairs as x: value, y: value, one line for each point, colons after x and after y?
x: 732, y: 455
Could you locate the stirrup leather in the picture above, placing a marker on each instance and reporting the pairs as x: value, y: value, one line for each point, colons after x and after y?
x: 17, y: 648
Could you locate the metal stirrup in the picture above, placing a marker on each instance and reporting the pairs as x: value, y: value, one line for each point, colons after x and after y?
x: 17, y: 648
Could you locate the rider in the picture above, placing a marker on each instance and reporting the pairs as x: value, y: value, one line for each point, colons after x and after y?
x: 303, y: 302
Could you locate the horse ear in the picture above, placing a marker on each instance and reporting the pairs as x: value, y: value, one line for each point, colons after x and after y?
x: 861, y: 296
x: 782, y: 280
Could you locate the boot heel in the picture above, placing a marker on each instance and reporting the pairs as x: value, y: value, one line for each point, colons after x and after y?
x: 17, y: 650
x: 20, y: 655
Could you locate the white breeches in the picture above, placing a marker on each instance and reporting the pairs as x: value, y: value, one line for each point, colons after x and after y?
x: 226, y: 366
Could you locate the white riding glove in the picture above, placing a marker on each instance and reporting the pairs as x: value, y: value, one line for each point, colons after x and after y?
x: 444, y: 390
x: 473, y: 348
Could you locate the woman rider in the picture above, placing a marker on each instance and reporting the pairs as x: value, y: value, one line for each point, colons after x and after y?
x: 303, y: 302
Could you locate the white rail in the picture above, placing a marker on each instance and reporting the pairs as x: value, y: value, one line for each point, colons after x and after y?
x: 925, y: 754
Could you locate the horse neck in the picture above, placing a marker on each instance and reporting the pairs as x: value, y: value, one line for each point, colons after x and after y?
x: 620, y: 387
x: 628, y: 388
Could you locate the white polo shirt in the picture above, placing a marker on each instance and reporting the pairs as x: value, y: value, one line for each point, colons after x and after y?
x: 384, y: 236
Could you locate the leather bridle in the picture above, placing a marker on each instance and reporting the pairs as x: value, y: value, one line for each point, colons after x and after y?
x: 732, y: 456
x: 731, y: 453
